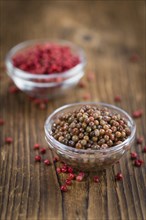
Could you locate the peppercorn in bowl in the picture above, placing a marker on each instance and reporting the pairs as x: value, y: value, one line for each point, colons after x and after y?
x: 90, y: 136
x: 45, y: 69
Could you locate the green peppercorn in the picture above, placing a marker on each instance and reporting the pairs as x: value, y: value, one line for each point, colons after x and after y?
x: 78, y: 146
x: 96, y: 132
x: 81, y: 119
x: 83, y: 142
x: 102, y: 131
x: 94, y: 139
x: 123, y: 134
x: 118, y: 134
x: 84, y: 125
x: 104, y: 146
x: 60, y: 139
x: 106, y: 137
x: 88, y: 129
x: 75, y: 138
x: 96, y: 122
x: 86, y: 138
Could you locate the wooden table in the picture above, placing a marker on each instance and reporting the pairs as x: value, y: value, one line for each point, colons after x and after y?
x: 110, y: 32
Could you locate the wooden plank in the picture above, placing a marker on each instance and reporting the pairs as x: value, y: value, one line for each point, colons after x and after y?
x: 110, y: 32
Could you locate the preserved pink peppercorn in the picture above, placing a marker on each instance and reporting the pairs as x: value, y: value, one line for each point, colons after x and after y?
x: 46, y: 58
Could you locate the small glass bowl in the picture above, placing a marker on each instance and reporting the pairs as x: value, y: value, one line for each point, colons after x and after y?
x: 89, y: 160
x: 40, y: 85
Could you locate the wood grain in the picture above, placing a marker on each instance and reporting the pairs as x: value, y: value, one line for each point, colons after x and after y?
x: 110, y: 32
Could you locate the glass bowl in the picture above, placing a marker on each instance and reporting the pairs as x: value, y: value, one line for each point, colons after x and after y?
x: 89, y: 160
x: 40, y: 85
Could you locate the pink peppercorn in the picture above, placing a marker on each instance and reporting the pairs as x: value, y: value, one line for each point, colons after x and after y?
x: 13, y: 89
x: 55, y: 159
x: 117, y: 98
x: 119, y: 176
x: 80, y: 176
x: 70, y: 170
x: 43, y: 150
x: 144, y: 149
x: 68, y: 182
x: 134, y: 58
x: 2, y: 121
x: 137, y: 113
x: 63, y: 188
x: 133, y: 155
x: 64, y: 169
x: 42, y: 106
x: 86, y: 96
x: 139, y: 140
x: 71, y: 176
x: 36, y: 101
x: 46, y: 59
x: 38, y: 158
x: 138, y: 162
x: 9, y: 140
x: 96, y: 179
x: 36, y: 146
x: 47, y: 162
x: 82, y: 84
x: 59, y: 170
x: 91, y: 76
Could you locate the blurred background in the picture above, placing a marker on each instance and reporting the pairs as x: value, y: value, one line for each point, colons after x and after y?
x: 103, y: 27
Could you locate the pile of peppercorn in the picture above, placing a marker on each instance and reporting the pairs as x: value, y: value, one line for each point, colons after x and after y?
x: 90, y: 127
x: 46, y: 59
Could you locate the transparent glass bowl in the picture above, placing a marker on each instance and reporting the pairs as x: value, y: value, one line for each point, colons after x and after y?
x: 89, y: 160
x: 40, y: 85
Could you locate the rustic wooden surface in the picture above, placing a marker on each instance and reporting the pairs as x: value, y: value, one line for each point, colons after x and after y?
x: 110, y: 32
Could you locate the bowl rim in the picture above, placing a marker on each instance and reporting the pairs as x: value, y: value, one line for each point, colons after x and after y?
x: 90, y: 151
x: 27, y: 75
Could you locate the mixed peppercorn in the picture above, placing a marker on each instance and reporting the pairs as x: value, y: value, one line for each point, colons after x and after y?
x: 90, y: 127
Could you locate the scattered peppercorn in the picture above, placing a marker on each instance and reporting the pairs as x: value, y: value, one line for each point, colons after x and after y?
x: 79, y: 178
x: 137, y: 113
x: 119, y: 176
x: 91, y: 76
x: 42, y: 106
x: 2, y: 121
x: 9, y: 140
x: 133, y: 155
x: 70, y: 170
x: 71, y: 176
x: 59, y: 170
x: 139, y: 140
x: 43, y: 150
x: 38, y: 158
x: 86, y: 96
x: 138, y: 162
x: 68, y: 182
x: 55, y: 159
x: 13, y: 89
x: 96, y: 179
x: 63, y: 188
x: 134, y: 58
x: 47, y: 162
x: 144, y: 149
x: 46, y: 58
x: 90, y: 127
x: 117, y: 98
x: 36, y: 146
x: 64, y: 169
x: 82, y: 84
